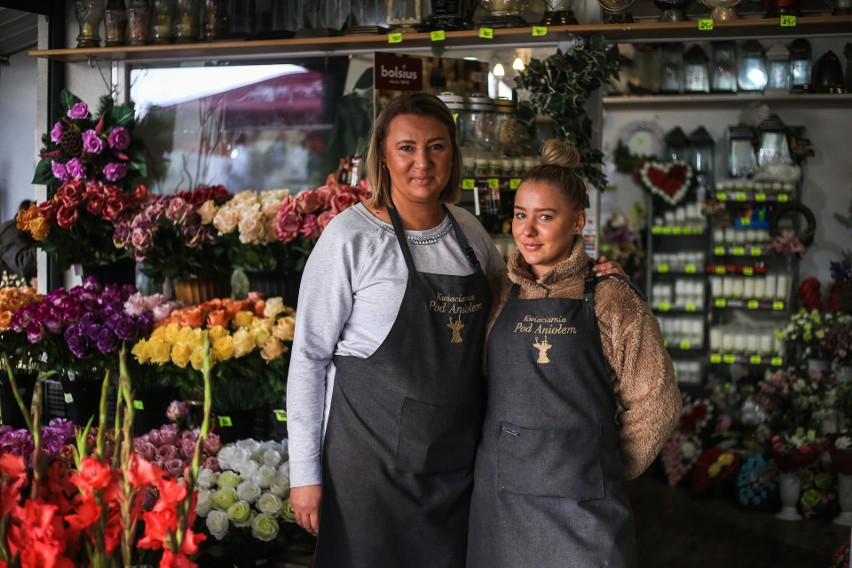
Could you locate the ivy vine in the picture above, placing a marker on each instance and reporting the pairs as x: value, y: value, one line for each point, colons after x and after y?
x: 559, y: 87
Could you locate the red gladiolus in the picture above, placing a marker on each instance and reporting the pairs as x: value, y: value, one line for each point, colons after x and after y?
x: 87, y: 514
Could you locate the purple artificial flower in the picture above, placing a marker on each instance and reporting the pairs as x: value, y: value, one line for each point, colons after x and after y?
x: 167, y: 452
x: 174, y: 467
x: 52, y: 444
x: 178, y: 211
x: 107, y: 341
x: 78, y: 344
x: 212, y: 463
x: 119, y: 138
x: 123, y: 325
x: 60, y: 171
x: 17, y: 443
x: 92, y: 143
x: 145, y: 449
x: 168, y: 434
x: 177, y: 411
x: 187, y: 448
x: 79, y: 110
x: 115, y: 171
x: 212, y: 444
x: 61, y: 427
x: 76, y: 168
x: 52, y: 320
x: 35, y: 332
x: 56, y: 133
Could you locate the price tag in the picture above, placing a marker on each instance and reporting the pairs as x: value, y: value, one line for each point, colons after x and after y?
x: 667, y: 230
x: 715, y: 358
x: 486, y: 33
x: 705, y: 25
x: 663, y: 268
x: 665, y: 343
x: 756, y: 251
x: 138, y: 405
x: 493, y: 183
x: 788, y: 21
x: 677, y: 230
x: 745, y: 221
x: 664, y: 306
x: 656, y: 230
x: 395, y: 38
x: 748, y: 271
x: 760, y: 197
x: 777, y: 305
x: 740, y: 196
x: 776, y: 361
x: 729, y: 359
x: 689, y: 268
x: 456, y: 117
x: 225, y: 421
x: 685, y: 345
x: 437, y: 35
x: 755, y: 359
x: 514, y: 183
x: 720, y: 270
x: 69, y: 398
x: 539, y: 31
x: 720, y: 196
x: 752, y: 304
x: 719, y: 251
x: 720, y: 302
x: 738, y: 251
x: 280, y: 414
x: 783, y: 198
x: 690, y: 307
x: 468, y: 183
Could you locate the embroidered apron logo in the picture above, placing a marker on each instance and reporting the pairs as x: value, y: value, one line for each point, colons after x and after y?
x: 543, y: 348
x: 456, y: 326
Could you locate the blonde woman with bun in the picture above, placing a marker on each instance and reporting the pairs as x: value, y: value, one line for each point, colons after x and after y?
x: 581, y: 392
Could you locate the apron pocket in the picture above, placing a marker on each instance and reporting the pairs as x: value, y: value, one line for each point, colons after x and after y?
x: 435, y: 438
x: 550, y: 463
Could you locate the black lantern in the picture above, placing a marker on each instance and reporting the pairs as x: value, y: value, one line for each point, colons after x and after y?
x: 701, y: 150
x: 742, y: 161
x: 800, y: 64
x: 138, y: 22
x: 751, y: 68
x: 695, y: 73
x: 451, y: 14
x: 723, y: 75
x: 828, y: 74
x: 559, y: 12
x: 115, y: 23
x: 774, y: 145
x: 677, y: 145
x: 671, y: 68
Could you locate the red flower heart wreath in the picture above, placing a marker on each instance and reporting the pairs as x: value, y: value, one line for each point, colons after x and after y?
x: 668, y: 180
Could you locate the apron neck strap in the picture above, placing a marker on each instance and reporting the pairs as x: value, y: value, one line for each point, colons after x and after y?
x: 460, y: 236
x: 589, y: 288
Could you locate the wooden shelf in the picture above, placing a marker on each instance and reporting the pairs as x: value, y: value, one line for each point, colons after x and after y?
x: 733, y: 99
x: 809, y: 26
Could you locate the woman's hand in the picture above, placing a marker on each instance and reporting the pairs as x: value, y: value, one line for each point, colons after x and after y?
x: 305, y: 502
x: 604, y: 267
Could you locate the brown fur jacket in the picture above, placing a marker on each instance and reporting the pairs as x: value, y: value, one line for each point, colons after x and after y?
x: 638, y: 364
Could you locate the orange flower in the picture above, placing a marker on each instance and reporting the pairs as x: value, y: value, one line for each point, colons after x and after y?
x: 40, y: 228
x: 217, y: 317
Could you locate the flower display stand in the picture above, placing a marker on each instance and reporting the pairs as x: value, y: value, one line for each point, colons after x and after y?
x: 844, y: 495
x: 790, y: 485
x: 200, y: 289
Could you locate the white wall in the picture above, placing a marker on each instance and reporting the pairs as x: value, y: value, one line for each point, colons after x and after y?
x: 19, y: 137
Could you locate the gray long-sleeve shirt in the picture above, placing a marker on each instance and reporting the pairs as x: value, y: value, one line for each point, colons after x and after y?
x: 351, y: 290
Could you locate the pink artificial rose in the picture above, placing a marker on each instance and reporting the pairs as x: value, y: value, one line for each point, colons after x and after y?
x: 56, y: 133
x: 76, y: 169
x: 309, y: 201
x: 167, y: 452
x: 309, y: 228
x: 168, y: 436
x: 141, y: 239
x: 187, y: 448
x: 59, y: 170
x: 119, y: 138
x: 212, y: 463
x: 66, y: 217
x: 287, y: 226
x: 79, y: 110
x: 212, y: 444
x: 174, y: 467
x: 325, y: 218
x: 343, y: 200
x: 95, y: 204
x: 145, y: 449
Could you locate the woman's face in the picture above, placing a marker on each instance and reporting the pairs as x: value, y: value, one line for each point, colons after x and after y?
x: 418, y: 155
x: 544, y: 225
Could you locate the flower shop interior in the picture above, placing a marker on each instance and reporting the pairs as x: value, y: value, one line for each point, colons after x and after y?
x: 180, y: 158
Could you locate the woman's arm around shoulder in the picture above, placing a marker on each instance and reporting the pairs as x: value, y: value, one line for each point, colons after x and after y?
x: 644, y: 380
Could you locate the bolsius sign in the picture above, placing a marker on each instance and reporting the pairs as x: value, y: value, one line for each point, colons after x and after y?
x: 398, y: 73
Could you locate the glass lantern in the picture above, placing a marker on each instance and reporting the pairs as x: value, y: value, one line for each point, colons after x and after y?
x: 695, y: 74
x: 742, y: 162
x: 701, y: 150
x: 751, y: 67
x: 89, y: 14
x: 800, y: 64
x: 773, y: 141
x: 115, y: 23
x: 723, y: 73
x: 559, y: 12
x: 677, y: 145
x: 451, y: 14
x: 671, y: 68
x: 367, y: 17
x: 828, y: 74
x: 162, y: 21
x: 187, y: 21
x: 504, y: 13
x: 138, y: 22
x: 778, y: 57
x: 404, y: 16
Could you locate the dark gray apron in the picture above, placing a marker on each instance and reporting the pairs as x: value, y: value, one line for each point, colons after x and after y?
x: 402, y: 429
x: 548, y: 490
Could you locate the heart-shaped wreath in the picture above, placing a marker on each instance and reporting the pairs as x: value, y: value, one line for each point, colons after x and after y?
x: 668, y: 180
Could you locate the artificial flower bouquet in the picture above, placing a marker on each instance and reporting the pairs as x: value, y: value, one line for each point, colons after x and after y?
x: 679, y: 455
x: 244, y: 505
x: 83, y: 146
x: 621, y: 240
x: 796, y: 449
x: 715, y: 471
x: 836, y: 343
x: 807, y: 328
x: 76, y: 226
x: 757, y: 482
x: 818, y: 498
x: 794, y: 397
x: 173, y: 235
x: 840, y: 451
x: 14, y: 345
x: 840, y: 293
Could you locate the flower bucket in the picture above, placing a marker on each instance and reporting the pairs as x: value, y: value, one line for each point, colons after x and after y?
x: 82, y: 398
x: 8, y: 405
x: 149, y: 408
x: 273, y: 283
x: 199, y: 289
x: 119, y: 272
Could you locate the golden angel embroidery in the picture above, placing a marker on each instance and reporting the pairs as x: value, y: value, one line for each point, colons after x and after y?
x: 543, y: 348
x: 456, y: 326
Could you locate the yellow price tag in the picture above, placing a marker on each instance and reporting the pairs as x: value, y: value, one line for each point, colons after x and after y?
x: 69, y: 398
x: 689, y: 268
x: 729, y: 359
x: 783, y: 198
x: 685, y: 345
x: 756, y: 251
x: 777, y: 305
x: 738, y: 251
x: 138, y: 405
x: 667, y: 230
x: 748, y: 271
x: 538, y: 31
x: 677, y: 230
x: 705, y: 25
x: 719, y: 251
x: 664, y: 306
x: 486, y: 33
x: 663, y: 268
x: 656, y: 230
x: 776, y: 361
x: 753, y: 304
x: 456, y: 117
x: 760, y: 197
x: 691, y: 307
x: 745, y: 221
x: 720, y: 196
x: 788, y: 21
x: 494, y: 183
x: 468, y: 183
x: 755, y: 359
x: 280, y: 414
x: 514, y: 183
x: 721, y: 302
x: 720, y: 270
x: 437, y: 35
x: 395, y: 38
x: 715, y: 358
x: 740, y: 196
x: 225, y: 421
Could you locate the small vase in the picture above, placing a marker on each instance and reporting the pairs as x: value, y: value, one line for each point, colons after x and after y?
x: 200, y: 289
x: 790, y: 486
x: 844, y: 496
x: 89, y: 14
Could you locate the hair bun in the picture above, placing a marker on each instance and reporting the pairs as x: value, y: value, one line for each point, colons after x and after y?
x: 559, y: 153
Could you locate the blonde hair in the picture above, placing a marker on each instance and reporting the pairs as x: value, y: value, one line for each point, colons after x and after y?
x: 418, y: 104
x: 556, y: 167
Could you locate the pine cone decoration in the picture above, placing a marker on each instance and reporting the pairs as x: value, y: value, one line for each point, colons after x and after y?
x: 510, y: 136
x: 71, y: 142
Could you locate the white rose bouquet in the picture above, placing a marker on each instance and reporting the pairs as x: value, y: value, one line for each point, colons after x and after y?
x: 247, y: 501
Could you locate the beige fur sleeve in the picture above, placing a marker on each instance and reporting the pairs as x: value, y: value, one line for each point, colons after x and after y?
x: 643, y: 380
